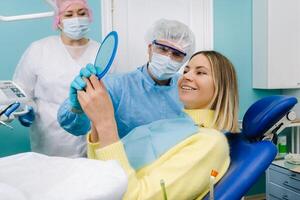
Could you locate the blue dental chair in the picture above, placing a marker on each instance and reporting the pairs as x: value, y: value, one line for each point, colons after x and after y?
x: 253, y: 150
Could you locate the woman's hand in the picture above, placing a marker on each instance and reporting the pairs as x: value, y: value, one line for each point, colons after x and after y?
x: 96, y: 103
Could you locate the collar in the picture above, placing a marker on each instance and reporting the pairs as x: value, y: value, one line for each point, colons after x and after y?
x: 144, y: 70
x: 202, y: 117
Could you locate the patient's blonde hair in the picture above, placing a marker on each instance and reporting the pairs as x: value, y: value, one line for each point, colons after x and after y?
x: 225, y: 101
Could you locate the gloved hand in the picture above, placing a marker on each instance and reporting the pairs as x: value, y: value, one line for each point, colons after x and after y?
x: 28, y: 118
x: 79, y: 84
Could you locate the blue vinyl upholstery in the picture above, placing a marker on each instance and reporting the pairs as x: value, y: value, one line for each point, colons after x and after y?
x: 249, y: 160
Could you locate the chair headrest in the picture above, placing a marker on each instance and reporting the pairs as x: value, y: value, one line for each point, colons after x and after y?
x: 264, y: 113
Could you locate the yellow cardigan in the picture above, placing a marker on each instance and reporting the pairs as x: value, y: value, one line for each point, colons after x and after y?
x: 185, y: 168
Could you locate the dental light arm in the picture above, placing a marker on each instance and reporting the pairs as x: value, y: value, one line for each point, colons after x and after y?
x: 28, y: 16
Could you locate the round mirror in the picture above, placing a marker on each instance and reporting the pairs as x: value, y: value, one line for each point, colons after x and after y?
x: 106, y: 54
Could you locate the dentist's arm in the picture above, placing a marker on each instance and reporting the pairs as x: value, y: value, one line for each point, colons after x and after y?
x: 76, y: 123
x: 25, y: 76
x: 70, y: 115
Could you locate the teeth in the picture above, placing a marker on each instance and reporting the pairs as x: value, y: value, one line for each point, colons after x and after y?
x: 187, y: 88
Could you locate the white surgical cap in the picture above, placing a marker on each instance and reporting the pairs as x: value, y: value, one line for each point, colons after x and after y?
x: 174, y: 32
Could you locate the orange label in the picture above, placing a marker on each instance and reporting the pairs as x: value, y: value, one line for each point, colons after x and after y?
x: 214, y: 173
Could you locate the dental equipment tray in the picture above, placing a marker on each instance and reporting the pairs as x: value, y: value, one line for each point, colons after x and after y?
x: 10, y: 92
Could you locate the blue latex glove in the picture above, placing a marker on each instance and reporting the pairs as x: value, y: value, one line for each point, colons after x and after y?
x: 28, y: 118
x: 79, y: 84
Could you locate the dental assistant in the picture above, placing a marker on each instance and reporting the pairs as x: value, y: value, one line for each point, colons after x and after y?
x: 45, y: 72
x: 145, y: 95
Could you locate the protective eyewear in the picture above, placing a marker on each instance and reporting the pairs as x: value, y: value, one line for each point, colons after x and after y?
x: 168, y: 50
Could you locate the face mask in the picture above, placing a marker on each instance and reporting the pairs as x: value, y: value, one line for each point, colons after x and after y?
x: 76, y: 28
x: 163, y: 67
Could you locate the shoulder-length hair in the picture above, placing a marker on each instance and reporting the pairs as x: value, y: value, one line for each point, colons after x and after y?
x: 225, y: 101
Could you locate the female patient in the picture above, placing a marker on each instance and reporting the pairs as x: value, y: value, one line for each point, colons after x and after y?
x: 182, y: 151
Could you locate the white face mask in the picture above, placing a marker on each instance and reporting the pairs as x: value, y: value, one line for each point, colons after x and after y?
x: 76, y: 28
x: 163, y: 67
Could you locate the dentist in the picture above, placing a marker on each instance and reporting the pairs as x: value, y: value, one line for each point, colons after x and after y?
x: 142, y: 96
x: 45, y: 72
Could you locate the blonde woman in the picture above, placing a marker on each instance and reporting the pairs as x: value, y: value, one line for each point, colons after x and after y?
x: 182, y: 151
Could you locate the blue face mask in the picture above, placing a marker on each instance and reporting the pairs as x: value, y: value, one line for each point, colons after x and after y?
x: 163, y: 67
x: 76, y: 28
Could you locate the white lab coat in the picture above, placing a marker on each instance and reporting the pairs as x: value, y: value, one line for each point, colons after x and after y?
x: 45, y: 72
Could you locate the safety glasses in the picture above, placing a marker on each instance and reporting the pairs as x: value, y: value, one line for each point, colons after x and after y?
x: 163, y: 49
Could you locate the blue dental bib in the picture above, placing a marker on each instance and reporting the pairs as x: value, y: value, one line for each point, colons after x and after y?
x: 145, y: 144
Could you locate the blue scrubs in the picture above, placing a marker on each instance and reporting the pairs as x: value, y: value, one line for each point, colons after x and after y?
x: 137, y: 100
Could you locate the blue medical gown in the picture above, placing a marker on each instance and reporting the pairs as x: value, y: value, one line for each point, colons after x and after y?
x: 137, y: 100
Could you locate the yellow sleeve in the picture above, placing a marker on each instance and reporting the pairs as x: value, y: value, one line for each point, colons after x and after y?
x: 185, y: 168
x: 91, y: 147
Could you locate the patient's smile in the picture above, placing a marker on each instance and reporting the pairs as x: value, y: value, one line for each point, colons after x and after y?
x: 185, y: 87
